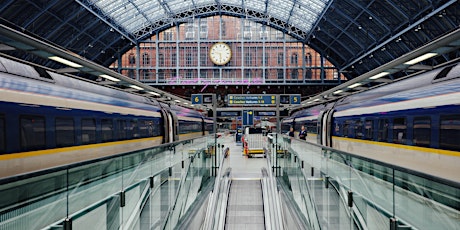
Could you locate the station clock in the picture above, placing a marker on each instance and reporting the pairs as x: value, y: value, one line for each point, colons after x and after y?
x: 220, y: 53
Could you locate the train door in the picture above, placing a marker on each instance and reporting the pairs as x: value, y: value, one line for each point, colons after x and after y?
x: 325, y: 124
x: 173, y: 126
x: 166, y: 126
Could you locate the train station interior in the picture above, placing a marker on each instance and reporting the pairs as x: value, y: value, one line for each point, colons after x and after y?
x: 226, y: 114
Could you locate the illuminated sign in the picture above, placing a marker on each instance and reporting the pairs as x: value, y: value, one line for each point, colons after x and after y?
x: 293, y: 99
x: 201, y: 99
x: 255, y: 99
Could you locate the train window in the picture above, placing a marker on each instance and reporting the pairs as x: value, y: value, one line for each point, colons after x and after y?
x: 449, y: 132
x: 146, y: 128
x: 383, y: 130
x: 65, y: 132
x: 311, y: 126
x: 121, y: 130
x: 368, y: 129
x: 359, y: 129
x: 422, y: 131
x: 88, y: 131
x: 107, y: 130
x: 134, y: 129
x: 2, y: 134
x: 32, y: 133
x: 346, y: 128
x: 399, y: 130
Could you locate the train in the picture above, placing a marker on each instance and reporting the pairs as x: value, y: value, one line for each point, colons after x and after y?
x: 48, y: 119
x: 412, y: 123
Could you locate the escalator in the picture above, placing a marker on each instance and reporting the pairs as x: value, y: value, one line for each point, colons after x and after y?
x: 245, y: 207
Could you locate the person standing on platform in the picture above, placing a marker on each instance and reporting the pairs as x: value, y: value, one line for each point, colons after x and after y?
x: 291, y: 132
x: 303, y: 133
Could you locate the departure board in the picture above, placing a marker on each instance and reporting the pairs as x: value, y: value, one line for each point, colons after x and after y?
x: 254, y: 99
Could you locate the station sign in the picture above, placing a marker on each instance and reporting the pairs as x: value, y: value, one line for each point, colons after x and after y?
x: 248, y: 117
x: 293, y: 99
x: 251, y: 99
x: 198, y: 99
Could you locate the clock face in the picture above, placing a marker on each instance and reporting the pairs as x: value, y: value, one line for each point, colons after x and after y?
x: 220, y: 53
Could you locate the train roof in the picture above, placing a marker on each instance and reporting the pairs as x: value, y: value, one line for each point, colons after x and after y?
x: 185, y: 112
x: 419, y: 81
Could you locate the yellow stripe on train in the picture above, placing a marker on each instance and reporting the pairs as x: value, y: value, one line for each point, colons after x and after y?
x: 400, y: 146
x: 73, y: 148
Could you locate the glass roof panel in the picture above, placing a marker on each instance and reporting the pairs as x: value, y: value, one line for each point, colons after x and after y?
x: 132, y: 14
x: 232, y: 2
x: 256, y: 5
x: 280, y: 9
x: 154, y: 11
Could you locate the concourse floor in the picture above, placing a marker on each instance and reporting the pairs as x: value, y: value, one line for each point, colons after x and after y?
x: 242, y: 166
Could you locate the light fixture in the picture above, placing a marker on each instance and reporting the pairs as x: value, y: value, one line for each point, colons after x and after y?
x: 65, y: 62
x: 317, y: 99
x: 354, y: 85
x: 109, y: 77
x: 338, y: 91
x: 421, y: 58
x: 136, y: 87
x: 377, y: 76
x: 156, y: 94
x: 185, y: 103
x: 177, y: 101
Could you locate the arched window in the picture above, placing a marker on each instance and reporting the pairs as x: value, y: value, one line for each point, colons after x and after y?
x: 161, y: 59
x: 131, y: 59
x: 146, y: 59
x: 294, y: 59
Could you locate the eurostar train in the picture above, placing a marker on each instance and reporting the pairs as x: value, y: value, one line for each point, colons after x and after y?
x: 413, y: 123
x: 48, y: 119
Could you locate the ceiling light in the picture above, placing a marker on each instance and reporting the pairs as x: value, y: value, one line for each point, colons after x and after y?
x: 109, y: 77
x: 65, y: 62
x: 377, y: 76
x: 338, y: 91
x: 136, y: 87
x: 354, y: 85
x: 317, y: 99
x: 177, y: 101
x: 421, y: 58
x: 185, y: 103
x: 156, y: 94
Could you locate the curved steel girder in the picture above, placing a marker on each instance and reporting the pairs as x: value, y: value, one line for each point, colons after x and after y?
x: 332, y: 60
x: 211, y: 10
x: 400, y: 33
x: 334, y: 37
x: 43, y: 10
x: 100, y: 14
x: 328, y: 47
x: 352, y: 21
x: 66, y: 22
x: 397, y: 9
x: 81, y: 32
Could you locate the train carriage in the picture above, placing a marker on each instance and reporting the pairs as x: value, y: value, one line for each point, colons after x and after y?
x: 47, y: 119
x: 413, y: 123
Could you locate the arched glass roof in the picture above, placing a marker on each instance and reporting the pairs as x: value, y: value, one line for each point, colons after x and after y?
x: 137, y: 15
x: 355, y: 35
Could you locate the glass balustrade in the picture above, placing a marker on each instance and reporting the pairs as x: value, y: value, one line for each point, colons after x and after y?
x: 138, y: 189
x: 365, y: 192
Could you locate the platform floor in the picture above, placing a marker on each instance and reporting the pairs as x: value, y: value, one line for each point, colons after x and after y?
x: 242, y: 166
